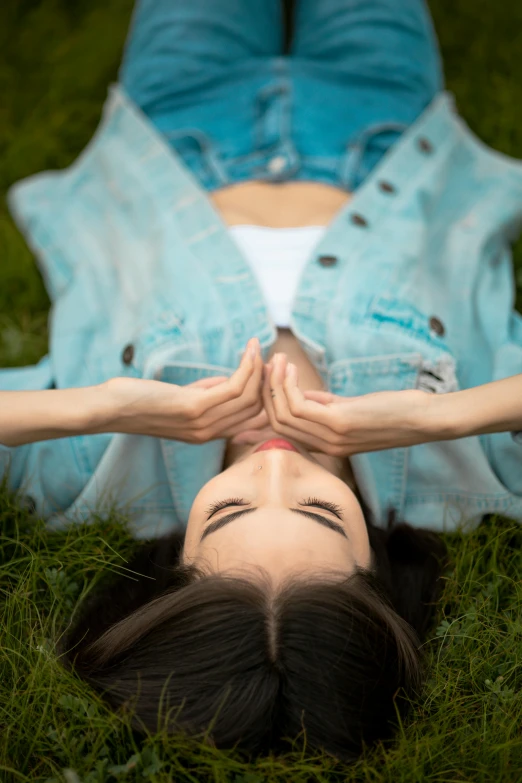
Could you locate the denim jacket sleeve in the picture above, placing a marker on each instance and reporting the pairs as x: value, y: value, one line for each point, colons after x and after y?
x: 28, y: 469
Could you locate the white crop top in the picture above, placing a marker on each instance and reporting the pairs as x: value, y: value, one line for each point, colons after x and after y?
x: 277, y: 257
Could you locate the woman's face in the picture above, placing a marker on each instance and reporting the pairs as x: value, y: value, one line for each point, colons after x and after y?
x: 274, y: 499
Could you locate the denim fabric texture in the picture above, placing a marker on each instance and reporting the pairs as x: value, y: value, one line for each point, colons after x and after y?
x: 146, y: 281
x: 213, y: 79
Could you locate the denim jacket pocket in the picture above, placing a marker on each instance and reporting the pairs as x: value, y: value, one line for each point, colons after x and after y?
x: 356, y: 376
x: 394, y: 331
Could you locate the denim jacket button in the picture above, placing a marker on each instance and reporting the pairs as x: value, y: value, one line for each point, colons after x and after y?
x: 359, y: 220
x: 437, y: 325
x: 327, y: 260
x: 386, y: 187
x: 425, y: 145
x: 128, y: 354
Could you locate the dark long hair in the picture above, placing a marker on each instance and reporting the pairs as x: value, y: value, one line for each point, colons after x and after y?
x: 225, y: 659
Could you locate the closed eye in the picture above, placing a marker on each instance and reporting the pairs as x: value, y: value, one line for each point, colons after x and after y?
x: 215, y: 507
x: 326, y: 504
x: 227, y: 518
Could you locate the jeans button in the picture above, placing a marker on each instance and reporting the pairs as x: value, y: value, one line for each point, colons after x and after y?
x: 277, y: 164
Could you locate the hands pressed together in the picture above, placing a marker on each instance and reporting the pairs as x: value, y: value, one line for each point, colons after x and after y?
x: 258, y: 397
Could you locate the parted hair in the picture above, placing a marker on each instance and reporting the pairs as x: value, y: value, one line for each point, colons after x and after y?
x: 226, y: 659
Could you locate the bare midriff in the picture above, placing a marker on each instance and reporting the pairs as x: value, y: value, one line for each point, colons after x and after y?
x: 282, y: 205
x: 279, y: 205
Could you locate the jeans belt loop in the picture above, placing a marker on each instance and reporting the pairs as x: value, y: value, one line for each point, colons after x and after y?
x: 208, y: 153
x: 352, y: 161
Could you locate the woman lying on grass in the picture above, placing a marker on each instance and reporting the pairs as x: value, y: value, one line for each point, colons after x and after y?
x: 328, y: 203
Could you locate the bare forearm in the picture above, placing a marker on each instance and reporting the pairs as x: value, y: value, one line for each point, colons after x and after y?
x: 30, y: 416
x: 492, y: 407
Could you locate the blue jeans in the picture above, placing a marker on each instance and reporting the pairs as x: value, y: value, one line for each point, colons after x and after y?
x: 213, y: 78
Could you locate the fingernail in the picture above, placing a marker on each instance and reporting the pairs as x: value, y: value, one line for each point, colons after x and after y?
x: 254, y: 347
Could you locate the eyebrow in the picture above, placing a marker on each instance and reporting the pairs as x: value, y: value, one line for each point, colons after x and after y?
x: 219, y: 523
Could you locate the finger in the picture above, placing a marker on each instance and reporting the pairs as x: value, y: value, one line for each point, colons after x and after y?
x: 277, y: 393
x: 316, y: 415
x: 234, y: 386
x: 307, y: 440
x: 252, y: 436
x: 248, y: 399
x: 257, y: 421
x: 267, y: 395
x: 208, y: 383
x: 237, y: 422
x: 284, y: 388
x: 237, y: 419
x: 218, y: 421
x: 254, y: 424
x: 301, y: 436
x: 323, y: 397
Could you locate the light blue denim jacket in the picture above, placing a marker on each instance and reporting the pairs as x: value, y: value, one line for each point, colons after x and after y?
x: 418, y: 293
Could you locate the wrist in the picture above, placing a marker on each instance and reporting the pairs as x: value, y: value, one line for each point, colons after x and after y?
x: 446, y: 417
x: 123, y: 405
x: 101, y: 409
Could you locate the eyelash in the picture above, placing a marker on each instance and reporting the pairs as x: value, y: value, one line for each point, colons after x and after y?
x: 333, y: 507
x: 222, y: 503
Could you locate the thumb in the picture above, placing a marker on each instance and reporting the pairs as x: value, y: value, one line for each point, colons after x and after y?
x: 208, y: 383
x: 323, y: 397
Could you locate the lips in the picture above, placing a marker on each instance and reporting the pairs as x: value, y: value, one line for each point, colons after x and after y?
x: 276, y: 443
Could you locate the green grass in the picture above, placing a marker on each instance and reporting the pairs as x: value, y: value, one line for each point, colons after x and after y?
x: 56, y: 59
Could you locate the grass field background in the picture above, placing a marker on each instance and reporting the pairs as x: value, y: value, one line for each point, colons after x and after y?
x: 56, y: 59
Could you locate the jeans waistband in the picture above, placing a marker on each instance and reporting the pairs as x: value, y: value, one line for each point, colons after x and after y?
x: 281, y: 162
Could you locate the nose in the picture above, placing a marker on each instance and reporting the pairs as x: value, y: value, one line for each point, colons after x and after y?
x: 274, y: 471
